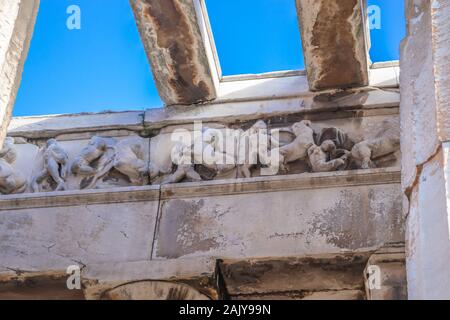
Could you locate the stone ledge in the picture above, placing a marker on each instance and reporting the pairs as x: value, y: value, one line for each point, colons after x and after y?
x: 199, y: 273
x: 204, y: 189
x: 78, y: 197
x: 296, y: 275
x: 54, y: 125
x: 348, y: 104
x: 282, y: 183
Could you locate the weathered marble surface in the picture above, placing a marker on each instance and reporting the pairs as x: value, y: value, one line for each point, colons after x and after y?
x: 199, y: 273
x: 283, y: 215
x: 52, y: 238
x: 122, y: 158
x: 334, y: 43
x: 350, y: 103
x: 322, y: 277
x: 30, y: 162
x: 170, y: 32
x: 17, y: 18
x: 425, y: 119
x: 320, y: 219
x: 277, y: 216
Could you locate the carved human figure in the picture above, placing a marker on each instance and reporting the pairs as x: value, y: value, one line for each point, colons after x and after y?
x: 318, y: 157
x: 100, y: 150
x: 126, y: 156
x: 185, y: 169
x: 387, y: 142
x: 55, y: 166
x: 129, y: 160
x: 250, y: 148
x: 11, y: 181
x: 297, y: 149
x: 226, y: 161
x: 96, y: 149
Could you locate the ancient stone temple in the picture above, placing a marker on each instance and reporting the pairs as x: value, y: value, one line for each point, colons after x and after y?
x: 326, y: 184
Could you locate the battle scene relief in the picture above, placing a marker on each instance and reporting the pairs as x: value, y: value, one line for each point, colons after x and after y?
x: 199, y: 153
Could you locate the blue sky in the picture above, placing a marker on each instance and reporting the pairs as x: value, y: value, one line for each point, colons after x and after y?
x: 103, y: 66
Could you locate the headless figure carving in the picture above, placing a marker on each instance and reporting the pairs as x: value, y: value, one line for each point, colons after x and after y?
x: 222, y: 162
x: 212, y: 154
x: 297, y: 149
x: 55, y: 166
x: 100, y: 150
x: 318, y: 157
x: 129, y: 160
x: 11, y: 181
x: 184, y: 170
x: 365, y: 151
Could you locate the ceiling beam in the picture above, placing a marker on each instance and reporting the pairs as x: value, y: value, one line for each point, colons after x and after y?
x: 177, y: 50
x: 334, y: 43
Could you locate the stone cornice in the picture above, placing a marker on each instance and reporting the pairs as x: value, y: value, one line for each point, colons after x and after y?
x: 282, y: 183
x: 202, y: 189
x: 325, y: 105
x: 78, y: 197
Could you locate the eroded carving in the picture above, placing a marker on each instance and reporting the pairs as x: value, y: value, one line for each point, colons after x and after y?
x: 297, y: 149
x: 386, y: 142
x: 95, y: 160
x: 127, y: 156
x: 319, y: 155
x: 11, y: 180
x: 215, y: 154
x: 250, y: 148
x: 184, y: 168
x: 55, y: 166
x: 129, y: 159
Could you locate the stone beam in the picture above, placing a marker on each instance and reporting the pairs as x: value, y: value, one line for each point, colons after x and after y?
x: 334, y: 43
x: 26, y: 285
x: 425, y: 142
x: 385, y: 274
x: 176, y: 49
x: 17, y: 18
x: 187, y: 279
x: 324, y: 277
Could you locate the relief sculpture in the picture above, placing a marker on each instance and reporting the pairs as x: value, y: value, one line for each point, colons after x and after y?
x: 102, y: 155
x: 319, y: 157
x: 385, y: 143
x: 215, y: 154
x: 11, y: 180
x: 129, y: 159
x: 55, y: 166
x: 297, y: 149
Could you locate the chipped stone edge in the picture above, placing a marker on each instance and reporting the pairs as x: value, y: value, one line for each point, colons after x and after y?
x: 99, y: 278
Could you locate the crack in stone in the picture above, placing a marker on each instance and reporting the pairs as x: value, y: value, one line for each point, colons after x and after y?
x: 419, y: 168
